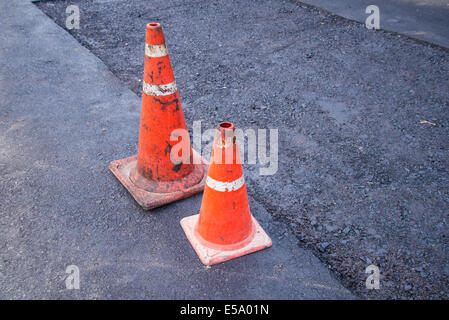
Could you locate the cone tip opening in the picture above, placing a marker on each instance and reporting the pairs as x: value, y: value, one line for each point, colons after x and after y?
x: 227, y: 125
x: 154, y: 34
x: 153, y: 25
x: 226, y: 129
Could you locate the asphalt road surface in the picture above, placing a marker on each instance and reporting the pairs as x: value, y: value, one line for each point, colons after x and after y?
x: 427, y: 20
x: 63, y: 117
x: 362, y: 119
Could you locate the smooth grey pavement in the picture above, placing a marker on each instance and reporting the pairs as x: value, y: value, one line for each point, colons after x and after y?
x: 426, y: 20
x: 63, y: 117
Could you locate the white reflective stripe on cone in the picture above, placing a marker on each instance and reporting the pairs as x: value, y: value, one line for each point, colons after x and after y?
x: 159, y: 89
x: 156, y: 50
x: 225, y: 186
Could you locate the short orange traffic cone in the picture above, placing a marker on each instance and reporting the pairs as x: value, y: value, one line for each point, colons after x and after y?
x: 155, y: 177
x: 224, y: 229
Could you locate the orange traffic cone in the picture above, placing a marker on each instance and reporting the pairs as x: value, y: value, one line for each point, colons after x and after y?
x: 155, y: 176
x: 224, y: 229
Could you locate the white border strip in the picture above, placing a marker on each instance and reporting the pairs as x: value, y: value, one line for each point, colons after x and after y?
x: 156, y: 50
x: 160, y: 89
x: 225, y: 186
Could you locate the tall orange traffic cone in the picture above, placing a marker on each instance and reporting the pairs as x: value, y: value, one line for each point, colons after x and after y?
x: 224, y: 229
x: 155, y: 176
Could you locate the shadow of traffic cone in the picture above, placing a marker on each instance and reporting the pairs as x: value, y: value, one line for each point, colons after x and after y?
x: 166, y: 167
x: 224, y: 229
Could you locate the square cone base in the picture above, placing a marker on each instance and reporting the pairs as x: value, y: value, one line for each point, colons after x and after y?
x: 150, y: 200
x: 210, y: 256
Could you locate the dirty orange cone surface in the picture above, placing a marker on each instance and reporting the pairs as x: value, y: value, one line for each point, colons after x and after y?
x: 224, y: 229
x: 157, y: 176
